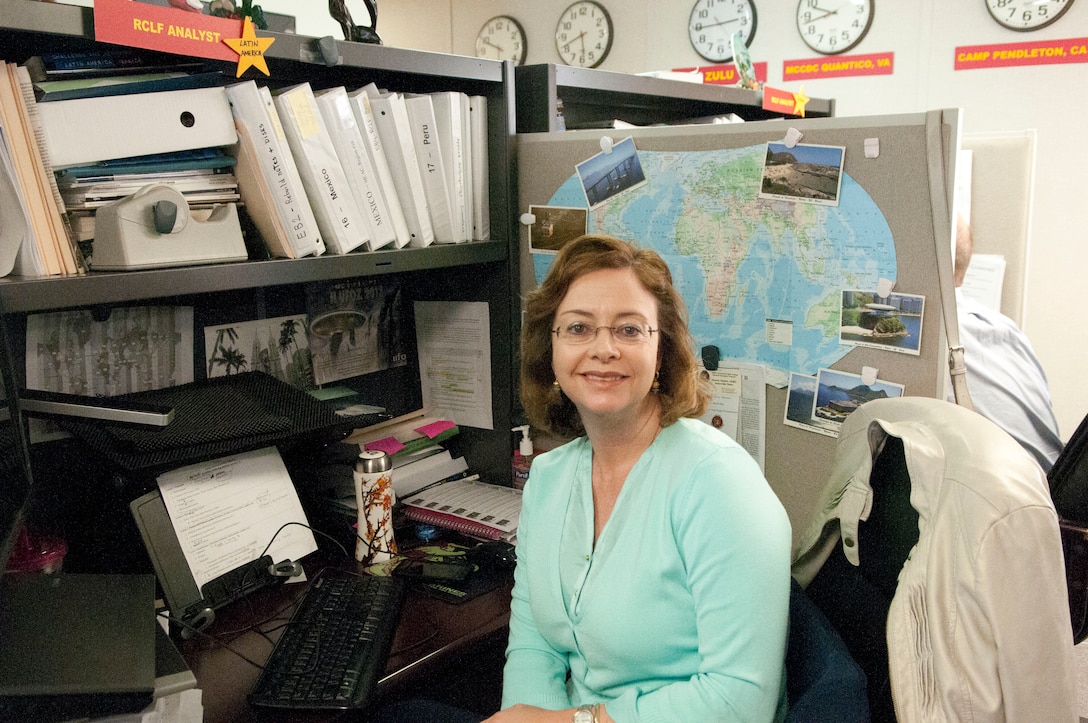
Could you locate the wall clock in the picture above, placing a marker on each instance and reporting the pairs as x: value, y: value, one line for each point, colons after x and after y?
x: 501, y: 38
x: 831, y: 27
x: 1026, y: 15
x: 583, y: 35
x: 713, y: 22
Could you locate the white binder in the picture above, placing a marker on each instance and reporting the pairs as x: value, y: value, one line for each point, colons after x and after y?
x: 86, y: 130
x: 351, y: 149
x: 432, y: 167
x: 391, y: 120
x: 450, y: 111
x: 360, y: 105
x: 338, y: 216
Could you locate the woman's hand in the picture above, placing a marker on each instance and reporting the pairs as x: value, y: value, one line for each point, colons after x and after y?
x: 529, y: 714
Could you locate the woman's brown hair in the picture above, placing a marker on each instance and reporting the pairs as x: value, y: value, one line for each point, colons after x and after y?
x: 681, y: 393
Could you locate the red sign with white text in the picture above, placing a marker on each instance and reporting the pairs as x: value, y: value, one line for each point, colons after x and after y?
x: 777, y: 100
x: 1039, y: 52
x: 838, y: 66
x: 725, y: 74
x: 168, y: 30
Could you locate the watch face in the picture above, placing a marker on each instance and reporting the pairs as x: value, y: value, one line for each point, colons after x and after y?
x: 831, y: 27
x: 583, y: 36
x: 583, y: 716
x: 1025, y: 15
x: 713, y: 23
x: 501, y: 38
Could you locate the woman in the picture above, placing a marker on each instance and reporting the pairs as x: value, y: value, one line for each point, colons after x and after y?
x: 652, y: 581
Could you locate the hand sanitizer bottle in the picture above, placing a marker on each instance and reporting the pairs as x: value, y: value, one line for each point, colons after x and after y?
x: 523, y: 457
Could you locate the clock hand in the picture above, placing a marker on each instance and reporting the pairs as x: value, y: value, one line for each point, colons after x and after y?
x: 487, y: 41
x: 825, y: 12
x: 721, y: 22
x: 579, y: 36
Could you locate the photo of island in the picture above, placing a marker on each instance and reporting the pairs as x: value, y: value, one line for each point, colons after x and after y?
x: 892, y: 322
x: 804, y: 172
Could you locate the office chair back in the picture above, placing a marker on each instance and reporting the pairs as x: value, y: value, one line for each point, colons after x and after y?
x: 1068, y: 480
x: 937, y: 556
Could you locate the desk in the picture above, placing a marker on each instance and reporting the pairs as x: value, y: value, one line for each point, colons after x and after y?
x: 429, y: 634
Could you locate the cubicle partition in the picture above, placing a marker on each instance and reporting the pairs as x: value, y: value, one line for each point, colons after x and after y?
x: 809, y: 251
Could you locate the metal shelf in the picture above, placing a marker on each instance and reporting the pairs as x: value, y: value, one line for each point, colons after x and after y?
x: 592, y: 97
x: 27, y: 295
x: 478, y: 271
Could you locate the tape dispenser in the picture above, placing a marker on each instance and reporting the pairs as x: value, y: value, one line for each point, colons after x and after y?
x: 153, y: 228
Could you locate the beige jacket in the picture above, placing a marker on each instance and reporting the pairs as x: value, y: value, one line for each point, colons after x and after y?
x: 978, y: 629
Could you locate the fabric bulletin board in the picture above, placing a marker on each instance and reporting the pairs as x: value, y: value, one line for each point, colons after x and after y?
x: 807, y: 246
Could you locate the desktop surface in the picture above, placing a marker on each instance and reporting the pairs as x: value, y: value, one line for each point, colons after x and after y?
x: 430, y: 636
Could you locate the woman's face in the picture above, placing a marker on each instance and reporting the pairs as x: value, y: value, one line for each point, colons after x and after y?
x: 605, y: 378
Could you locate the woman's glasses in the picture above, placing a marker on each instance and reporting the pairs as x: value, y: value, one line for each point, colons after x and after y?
x: 580, y: 333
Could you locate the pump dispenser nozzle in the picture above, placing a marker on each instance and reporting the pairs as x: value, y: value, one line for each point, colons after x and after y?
x: 525, y: 446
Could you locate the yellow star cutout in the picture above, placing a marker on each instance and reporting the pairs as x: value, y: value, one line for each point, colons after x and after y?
x: 799, y: 102
x: 250, y: 49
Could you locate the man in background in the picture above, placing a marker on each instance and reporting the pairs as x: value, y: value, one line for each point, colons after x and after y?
x: 1006, y: 382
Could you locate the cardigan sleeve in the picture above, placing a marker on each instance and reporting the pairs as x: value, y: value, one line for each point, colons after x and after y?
x: 535, y: 673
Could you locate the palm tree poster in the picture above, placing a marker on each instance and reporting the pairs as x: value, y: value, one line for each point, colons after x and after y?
x: 278, y: 347
x: 356, y: 327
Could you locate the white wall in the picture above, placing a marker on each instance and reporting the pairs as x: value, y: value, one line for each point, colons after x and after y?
x: 923, y: 35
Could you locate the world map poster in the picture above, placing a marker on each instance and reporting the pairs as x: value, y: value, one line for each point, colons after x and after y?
x: 762, y: 277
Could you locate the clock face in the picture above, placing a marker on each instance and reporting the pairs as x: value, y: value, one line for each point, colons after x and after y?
x: 583, y: 36
x: 1025, y: 15
x: 713, y: 23
x: 831, y: 27
x: 501, y: 38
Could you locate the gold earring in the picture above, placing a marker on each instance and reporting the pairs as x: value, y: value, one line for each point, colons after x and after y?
x: 656, y: 386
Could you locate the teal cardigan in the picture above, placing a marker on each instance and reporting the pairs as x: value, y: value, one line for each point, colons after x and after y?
x: 679, y: 613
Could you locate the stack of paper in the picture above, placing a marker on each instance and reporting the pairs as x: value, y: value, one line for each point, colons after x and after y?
x: 405, y: 436
x: 35, y: 238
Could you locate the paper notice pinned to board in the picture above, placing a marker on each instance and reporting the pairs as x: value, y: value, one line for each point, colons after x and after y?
x: 454, y: 340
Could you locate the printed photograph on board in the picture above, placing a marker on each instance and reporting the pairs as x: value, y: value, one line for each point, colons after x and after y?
x: 278, y: 347
x: 820, y: 404
x: 892, y: 322
x: 805, y: 173
x: 607, y: 174
x: 554, y: 226
x: 357, y: 326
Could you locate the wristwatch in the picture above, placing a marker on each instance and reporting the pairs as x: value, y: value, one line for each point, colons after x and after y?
x: 585, y: 714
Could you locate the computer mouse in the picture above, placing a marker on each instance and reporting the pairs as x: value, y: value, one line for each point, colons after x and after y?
x: 497, y: 554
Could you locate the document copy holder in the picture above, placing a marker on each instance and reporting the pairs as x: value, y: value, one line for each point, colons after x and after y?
x: 191, y: 607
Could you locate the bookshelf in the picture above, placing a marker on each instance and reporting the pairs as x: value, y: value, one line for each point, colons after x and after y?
x: 474, y: 271
x: 592, y: 97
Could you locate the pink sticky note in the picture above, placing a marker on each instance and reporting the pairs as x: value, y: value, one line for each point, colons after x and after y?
x: 389, y: 445
x: 434, y: 429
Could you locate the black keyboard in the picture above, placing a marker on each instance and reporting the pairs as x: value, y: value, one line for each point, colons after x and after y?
x: 334, y: 650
